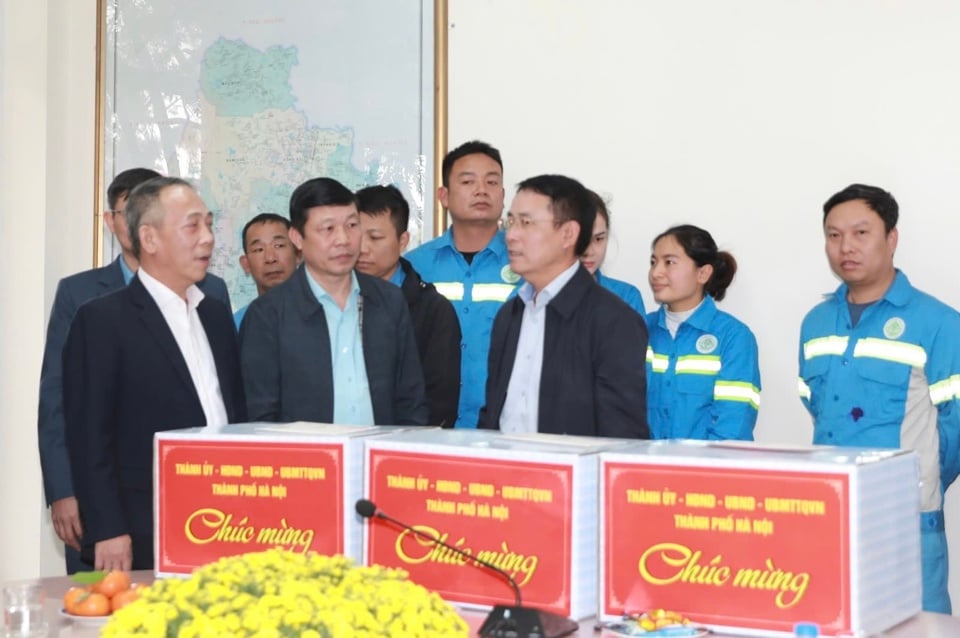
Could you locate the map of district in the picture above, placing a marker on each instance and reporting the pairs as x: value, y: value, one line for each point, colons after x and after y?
x: 250, y: 98
x: 257, y: 147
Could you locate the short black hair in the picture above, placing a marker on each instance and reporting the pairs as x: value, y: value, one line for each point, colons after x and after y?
x: 472, y: 147
x: 262, y: 218
x: 126, y: 181
x: 319, y: 191
x: 142, y: 200
x: 569, y: 201
x: 880, y: 201
x: 380, y: 200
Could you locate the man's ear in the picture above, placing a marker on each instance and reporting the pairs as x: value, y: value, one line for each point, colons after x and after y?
x: 245, y: 264
x: 296, y: 238
x: 571, y: 232
x: 109, y: 220
x: 149, y: 243
x: 443, y: 193
x: 404, y: 240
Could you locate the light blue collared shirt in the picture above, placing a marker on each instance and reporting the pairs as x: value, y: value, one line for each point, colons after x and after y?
x: 521, y: 408
x: 351, y: 390
x: 398, y: 276
x: 127, y: 273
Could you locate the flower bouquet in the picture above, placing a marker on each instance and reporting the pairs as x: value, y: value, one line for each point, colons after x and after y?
x: 277, y: 593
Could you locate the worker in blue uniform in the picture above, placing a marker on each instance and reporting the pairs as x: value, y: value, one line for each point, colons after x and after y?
x: 596, y: 253
x: 880, y: 363
x: 469, y: 264
x: 703, y: 378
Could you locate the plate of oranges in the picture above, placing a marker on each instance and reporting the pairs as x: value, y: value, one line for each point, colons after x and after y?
x: 97, y: 595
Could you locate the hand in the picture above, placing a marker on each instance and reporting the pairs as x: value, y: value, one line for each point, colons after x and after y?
x: 66, y: 521
x: 114, y: 553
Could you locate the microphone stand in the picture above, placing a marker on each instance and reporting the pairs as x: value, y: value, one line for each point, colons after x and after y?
x: 503, y: 621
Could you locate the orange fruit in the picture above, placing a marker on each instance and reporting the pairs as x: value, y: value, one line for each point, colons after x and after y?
x: 72, y: 596
x: 113, y: 583
x: 124, y: 598
x: 93, y: 604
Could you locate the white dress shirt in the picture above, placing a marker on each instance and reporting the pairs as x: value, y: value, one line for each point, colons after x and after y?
x: 184, y: 322
x: 521, y: 408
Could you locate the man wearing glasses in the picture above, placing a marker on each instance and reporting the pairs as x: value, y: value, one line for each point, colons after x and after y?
x: 566, y: 355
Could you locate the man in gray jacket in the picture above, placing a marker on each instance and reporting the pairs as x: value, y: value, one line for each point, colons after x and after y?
x: 329, y: 344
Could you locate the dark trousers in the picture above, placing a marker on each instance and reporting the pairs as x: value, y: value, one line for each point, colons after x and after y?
x: 74, y: 562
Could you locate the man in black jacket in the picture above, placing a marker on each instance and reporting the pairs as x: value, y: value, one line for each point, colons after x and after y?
x: 384, y: 217
x: 73, y: 292
x: 566, y: 355
x: 155, y: 355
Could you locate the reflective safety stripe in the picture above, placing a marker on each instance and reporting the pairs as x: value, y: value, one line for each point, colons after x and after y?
x: 803, y: 388
x: 820, y: 346
x: 491, y: 292
x: 452, y: 290
x: 658, y: 362
x: 737, y: 391
x: 698, y: 364
x: 946, y: 390
x: 887, y: 350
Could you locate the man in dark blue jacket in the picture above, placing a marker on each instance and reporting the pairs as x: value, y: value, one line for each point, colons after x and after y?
x: 329, y: 344
x: 566, y: 355
x: 73, y: 292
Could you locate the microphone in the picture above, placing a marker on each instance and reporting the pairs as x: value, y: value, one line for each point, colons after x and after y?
x: 502, y: 621
x: 368, y: 509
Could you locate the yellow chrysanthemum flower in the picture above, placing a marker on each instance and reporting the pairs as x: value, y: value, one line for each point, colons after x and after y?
x: 276, y: 594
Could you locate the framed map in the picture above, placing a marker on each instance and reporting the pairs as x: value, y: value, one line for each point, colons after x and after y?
x: 249, y: 98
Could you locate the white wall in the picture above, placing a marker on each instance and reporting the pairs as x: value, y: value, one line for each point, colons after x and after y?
x: 742, y: 116
x: 46, y: 195
x: 21, y: 261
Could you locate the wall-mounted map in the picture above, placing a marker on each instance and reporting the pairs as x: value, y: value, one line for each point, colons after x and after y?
x: 249, y: 98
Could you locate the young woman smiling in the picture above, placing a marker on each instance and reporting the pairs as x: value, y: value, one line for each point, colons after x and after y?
x: 703, y: 379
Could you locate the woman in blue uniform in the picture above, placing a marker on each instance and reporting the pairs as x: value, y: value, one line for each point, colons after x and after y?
x: 703, y: 381
x: 596, y: 251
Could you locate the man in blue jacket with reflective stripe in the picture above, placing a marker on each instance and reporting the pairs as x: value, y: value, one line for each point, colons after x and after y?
x: 880, y: 363
x: 469, y: 264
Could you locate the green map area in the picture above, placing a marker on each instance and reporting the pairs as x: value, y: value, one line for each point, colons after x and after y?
x: 240, y: 81
x: 257, y: 147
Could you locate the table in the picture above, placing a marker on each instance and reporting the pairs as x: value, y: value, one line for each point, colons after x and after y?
x: 923, y: 625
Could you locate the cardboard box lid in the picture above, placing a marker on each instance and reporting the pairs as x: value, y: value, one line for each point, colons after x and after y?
x: 748, y: 451
x: 298, y: 430
x: 487, y: 440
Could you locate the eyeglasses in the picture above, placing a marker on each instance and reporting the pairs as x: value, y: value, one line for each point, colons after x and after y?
x: 527, y: 223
